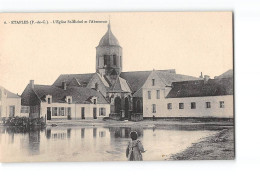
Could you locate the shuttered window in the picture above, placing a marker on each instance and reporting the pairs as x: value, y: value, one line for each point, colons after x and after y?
x: 221, y: 104
x: 158, y: 94
x: 102, y: 111
x: 193, y: 105
x: 149, y: 94
x: 181, y: 105
x: 54, y: 111
x: 169, y: 106
x: 208, y: 105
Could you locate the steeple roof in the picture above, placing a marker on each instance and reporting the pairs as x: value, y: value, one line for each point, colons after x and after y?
x: 108, y: 39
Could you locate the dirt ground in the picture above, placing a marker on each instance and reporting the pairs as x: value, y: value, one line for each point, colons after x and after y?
x: 216, y: 147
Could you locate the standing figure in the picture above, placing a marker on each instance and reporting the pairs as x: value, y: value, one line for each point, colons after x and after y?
x: 135, y: 148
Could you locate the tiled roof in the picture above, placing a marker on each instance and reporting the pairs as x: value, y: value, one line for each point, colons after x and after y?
x: 9, y: 94
x: 135, y: 79
x: 120, y: 85
x: 199, y: 88
x: 82, y: 79
x: 80, y: 95
x: 169, y: 77
x: 103, y: 79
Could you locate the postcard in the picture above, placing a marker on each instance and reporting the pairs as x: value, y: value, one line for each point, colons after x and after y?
x: 116, y: 86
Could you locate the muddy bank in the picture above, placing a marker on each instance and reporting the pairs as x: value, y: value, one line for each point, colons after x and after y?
x: 217, y: 147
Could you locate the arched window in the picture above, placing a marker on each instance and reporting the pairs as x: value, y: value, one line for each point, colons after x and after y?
x: 114, y: 59
x: 117, y: 104
x: 127, y: 107
x: 139, y: 107
x: 106, y: 60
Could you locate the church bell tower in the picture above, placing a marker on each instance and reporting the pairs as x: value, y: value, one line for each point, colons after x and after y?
x: 109, y: 54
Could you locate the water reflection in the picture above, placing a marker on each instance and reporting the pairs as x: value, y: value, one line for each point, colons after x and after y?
x: 82, y: 132
x: 93, y: 144
x: 102, y: 133
x: 68, y: 133
x: 124, y: 132
x: 48, y: 133
x: 34, y: 142
x: 94, y: 132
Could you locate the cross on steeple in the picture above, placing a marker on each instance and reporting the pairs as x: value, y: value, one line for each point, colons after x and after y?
x: 108, y: 22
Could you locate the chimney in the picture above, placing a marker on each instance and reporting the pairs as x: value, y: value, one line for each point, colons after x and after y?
x: 64, y: 85
x: 172, y: 71
x: 206, y: 78
x: 201, y: 75
x: 32, y: 84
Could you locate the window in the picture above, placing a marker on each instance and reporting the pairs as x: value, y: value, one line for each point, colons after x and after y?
x: 69, y: 111
x: 61, y: 111
x: 208, y: 105
x: 154, y: 108
x: 153, y: 82
x: 106, y: 60
x: 25, y: 109
x: 54, y: 111
x: 102, y: 111
x: 193, y: 105
x: 221, y: 104
x: 95, y: 101
x: 69, y: 100
x: 139, y: 107
x: 11, y: 111
x: 49, y: 100
x: 114, y: 59
x: 158, y: 94
x: 169, y: 106
x: 117, y: 105
x: 181, y: 105
x: 96, y: 86
x: 149, y: 94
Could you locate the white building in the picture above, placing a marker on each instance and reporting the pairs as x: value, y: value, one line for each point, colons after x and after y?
x: 196, y: 98
x: 64, y: 102
x: 10, y: 104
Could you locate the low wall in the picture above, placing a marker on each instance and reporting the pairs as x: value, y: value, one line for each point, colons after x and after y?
x: 115, y: 116
x: 136, y: 117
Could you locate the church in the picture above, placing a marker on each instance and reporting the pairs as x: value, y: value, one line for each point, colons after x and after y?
x: 118, y: 94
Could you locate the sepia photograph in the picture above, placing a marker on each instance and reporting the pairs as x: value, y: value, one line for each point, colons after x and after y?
x: 116, y: 86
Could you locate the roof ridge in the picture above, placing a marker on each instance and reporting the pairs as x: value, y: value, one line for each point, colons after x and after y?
x: 76, y: 74
x: 146, y: 71
x: 43, y: 85
x: 120, y: 82
x: 160, y: 77
x: 115, y: 83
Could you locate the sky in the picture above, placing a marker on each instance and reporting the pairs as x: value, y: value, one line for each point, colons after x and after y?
x: 190, y: 42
